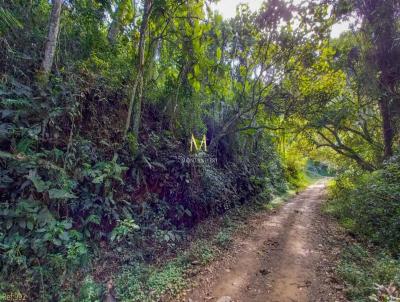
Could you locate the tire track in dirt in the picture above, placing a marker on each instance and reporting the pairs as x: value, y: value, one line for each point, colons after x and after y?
x: 277, y: 260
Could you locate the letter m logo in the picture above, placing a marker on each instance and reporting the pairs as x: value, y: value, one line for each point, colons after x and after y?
x: 194, y: 144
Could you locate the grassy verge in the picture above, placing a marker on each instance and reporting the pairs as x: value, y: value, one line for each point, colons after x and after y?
x: 367, y: 206
x: 369, y: 275
x: 148, y: 283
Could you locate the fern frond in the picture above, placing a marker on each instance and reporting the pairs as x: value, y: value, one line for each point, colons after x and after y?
x: 8, y: 21
x: 16, y: 103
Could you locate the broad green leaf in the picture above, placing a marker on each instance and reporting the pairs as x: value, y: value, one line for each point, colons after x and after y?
x: 40, y: 185
x: 67, y: 224
x: 60, y: 194
x: 9, y: 224
x: 64, y: 236
x: 57, y: 242
x: 196, y: 86
x: 219, y: 54
x: 98, y: 179
x: 196, y: 70
x: 44, y: 217
x: 22, y: 224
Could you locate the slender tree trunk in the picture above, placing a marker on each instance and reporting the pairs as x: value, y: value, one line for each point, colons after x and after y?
x: 138, y: 108
x: 113, y: 31
x: 51, y: 44
x: 131, y: 103
x: 114, y: 28
x: 387, y: 129
x: 133, y: 118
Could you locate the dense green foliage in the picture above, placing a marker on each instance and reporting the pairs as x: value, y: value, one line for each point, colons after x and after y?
x: 368, y: 205
x: 99, y: 101
x: 73, y: 186
x: 369, y: 276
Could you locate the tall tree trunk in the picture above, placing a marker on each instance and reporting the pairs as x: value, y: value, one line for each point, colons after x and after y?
x: 138, y: 108
x: 51, y: 44
x: 380, y: 16
x: 387, y: 130
x: 133, y: 118
x: 113, y: 31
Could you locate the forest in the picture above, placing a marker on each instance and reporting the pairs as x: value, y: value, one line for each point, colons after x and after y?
x: 137, y: 137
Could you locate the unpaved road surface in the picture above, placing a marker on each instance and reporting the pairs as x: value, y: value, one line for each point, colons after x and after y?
x: 288, y: 255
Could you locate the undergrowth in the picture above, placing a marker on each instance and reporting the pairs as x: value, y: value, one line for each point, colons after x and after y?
x: 367, y: 205
x: 364, y: 270
x: 149, y: 283
x: 141, y: 283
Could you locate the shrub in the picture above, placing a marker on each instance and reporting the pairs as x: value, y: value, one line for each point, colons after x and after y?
x: 202, y: 252
x: 144, y: 283
x: 362, y: 271
x: 368, y: 204
x: 223, y: 239
x: 294, y: 169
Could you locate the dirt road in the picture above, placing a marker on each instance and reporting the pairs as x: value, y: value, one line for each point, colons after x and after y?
x: 284, y: 256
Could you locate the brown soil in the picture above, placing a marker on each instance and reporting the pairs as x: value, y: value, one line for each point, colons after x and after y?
x: 287, y: 255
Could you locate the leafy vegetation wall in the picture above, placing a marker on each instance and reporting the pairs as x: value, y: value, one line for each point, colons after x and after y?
x: 100, y: 99
x: 74, y: 185
x: 367, y: 204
